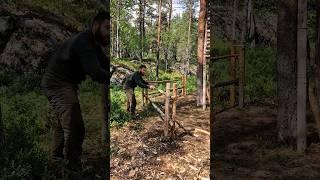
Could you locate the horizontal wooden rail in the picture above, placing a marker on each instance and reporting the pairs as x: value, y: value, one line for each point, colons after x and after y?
x: 225, y: 57
x: 177, y: 88
x: 155, y: 95
x: 154, y: 92
x: 226, y: 83
x: 163, y: 81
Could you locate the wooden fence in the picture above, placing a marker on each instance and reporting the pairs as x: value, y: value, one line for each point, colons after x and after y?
x: 237, y: 54
x: 169, y: 111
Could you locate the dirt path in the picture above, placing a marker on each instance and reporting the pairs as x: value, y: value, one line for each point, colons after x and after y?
x: 246, y: 148
x: 140, y: 152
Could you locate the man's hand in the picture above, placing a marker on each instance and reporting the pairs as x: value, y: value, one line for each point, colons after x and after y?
x: 152, y: 87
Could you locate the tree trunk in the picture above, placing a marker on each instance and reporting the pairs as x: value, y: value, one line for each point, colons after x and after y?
x: 158, y: 38
x: 189, y: 38
x: 251, y: 25
x: 118, y: 30
x: 211, y: 80
x: 170, y: 15
x: 287, y: 71
x: 302, y: 75
x: 168, y: 40
x: 314, y: 89
x: 201, y: 33
x: 317, y: 54
x: 141, y: 27
x: 235, y: 6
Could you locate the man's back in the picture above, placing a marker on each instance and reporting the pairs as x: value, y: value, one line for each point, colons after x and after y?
x: 73, y: 60
x: 133, y: 80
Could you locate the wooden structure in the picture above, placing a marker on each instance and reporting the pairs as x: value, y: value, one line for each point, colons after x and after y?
x: 168, y: 112
x: 236, y: 57
x: 206, y: 56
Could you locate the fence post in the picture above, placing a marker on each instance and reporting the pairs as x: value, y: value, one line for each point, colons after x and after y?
x: 146, y: 96
x: 174, y: 106
x: 232, y: 72
x: 242, y: 76
x: 166, y: 110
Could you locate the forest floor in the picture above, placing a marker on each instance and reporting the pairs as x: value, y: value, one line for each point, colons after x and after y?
x: 246, y: 147
x: 139, y: 150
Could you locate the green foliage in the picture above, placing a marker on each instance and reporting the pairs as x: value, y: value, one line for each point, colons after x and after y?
x: 261, y: 73
x: 24, y: 118
x: 119, y: 114
x: 76, y: 14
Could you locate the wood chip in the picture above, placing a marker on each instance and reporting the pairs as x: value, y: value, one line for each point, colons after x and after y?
x: 132, y: 173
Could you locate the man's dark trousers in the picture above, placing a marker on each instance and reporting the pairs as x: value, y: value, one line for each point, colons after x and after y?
x: 68, y: 129
x: 131, y: 101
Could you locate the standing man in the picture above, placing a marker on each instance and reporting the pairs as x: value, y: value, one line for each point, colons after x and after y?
x: 133, y: 80
x: 79, y: 56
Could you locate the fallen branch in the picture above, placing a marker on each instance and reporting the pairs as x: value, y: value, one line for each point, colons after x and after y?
x: 203, y: 131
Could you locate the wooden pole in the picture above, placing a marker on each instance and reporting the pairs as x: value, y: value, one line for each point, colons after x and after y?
x: 302, y: 75
x: 158, y: 38
x: 174, y: 105
x: 232, y: 75
x: 242, y: 77
x: 204, y: 86
x: 204, y: 79
x: 146, y: 96
x: 166, y: 110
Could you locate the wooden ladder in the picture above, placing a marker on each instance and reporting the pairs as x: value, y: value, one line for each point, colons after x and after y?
x: 206, y: 55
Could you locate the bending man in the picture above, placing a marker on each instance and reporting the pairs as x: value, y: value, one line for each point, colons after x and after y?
x: 133, y: 80
x: 79, y: 56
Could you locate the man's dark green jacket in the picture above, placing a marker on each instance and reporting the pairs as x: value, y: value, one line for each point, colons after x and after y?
x: 135, y: 79
x: 77, y: 57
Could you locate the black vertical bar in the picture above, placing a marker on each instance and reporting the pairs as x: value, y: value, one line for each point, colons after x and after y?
x: 106, y: 105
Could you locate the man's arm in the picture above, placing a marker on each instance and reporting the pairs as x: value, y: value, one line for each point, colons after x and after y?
x: 144, y: 82
x: 140, y: 82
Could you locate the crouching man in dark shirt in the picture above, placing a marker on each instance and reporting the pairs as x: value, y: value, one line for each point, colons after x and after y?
x: 79, y: 56
x: 133, y: 80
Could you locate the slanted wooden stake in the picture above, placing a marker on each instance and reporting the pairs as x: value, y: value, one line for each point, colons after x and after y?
x: 174, y: 105
x: 242, y: 77
x: 166, y: 110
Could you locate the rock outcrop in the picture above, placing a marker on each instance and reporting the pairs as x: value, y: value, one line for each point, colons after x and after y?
x: 27, y: 38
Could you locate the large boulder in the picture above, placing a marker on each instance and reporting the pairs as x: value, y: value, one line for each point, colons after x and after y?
x: 27, y: 39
